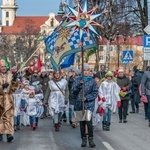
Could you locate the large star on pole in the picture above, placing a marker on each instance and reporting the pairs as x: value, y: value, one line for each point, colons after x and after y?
x: 83, y: 19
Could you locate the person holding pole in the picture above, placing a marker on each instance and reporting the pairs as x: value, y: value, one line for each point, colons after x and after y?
x: 84, y: 92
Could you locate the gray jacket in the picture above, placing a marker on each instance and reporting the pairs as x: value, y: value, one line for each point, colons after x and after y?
x: 145, y: 83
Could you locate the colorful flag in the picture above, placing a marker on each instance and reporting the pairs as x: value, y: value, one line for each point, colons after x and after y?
x: 6, y: 62
x: 61, y: 44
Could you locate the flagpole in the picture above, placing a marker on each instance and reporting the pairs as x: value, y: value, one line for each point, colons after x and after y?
x: 82, y: 56
x: 31, y: 56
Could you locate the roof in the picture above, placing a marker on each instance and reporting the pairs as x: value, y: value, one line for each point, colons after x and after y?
x: 19, y: 23
x: 137, y: 40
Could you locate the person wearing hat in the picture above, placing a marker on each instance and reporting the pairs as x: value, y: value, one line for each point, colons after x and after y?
x: 90, y: 94
x: 102, y: 72
x: 8, y: 85
x: 57, y: 96
x: 109, y: 94
x: 135, y: 97
x: 44, y: 79
x: 125, y: 85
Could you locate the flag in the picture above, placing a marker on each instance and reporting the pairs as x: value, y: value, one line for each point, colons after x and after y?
x: 61, y: 45
x: 68, y: 61
x: 6, y: 62
x: 39, y: 63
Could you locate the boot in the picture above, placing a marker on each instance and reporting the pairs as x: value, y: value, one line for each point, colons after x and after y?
x: 84, y: 142
x: 56, y: 127
x: 33, y: 126
x: 18, y: 127
x: 15, y: 128
x: 104, y: 125
x: 108, y: 126
x: 91, y: 142
x: 9, y: 138
x: 1, y: 137
x: 36, y: 125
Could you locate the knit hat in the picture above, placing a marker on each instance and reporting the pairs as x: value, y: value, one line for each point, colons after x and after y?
x: 43, y: 70
x: 31, y: 90
x: 86, y: 66
x: 109, y: 74
x: 120, y: 70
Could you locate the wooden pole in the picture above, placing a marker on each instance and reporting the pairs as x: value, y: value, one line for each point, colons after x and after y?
x: 31, y: 56
x: 82, y: 56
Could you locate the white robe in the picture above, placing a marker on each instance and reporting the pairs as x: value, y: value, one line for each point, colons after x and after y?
x: 110, y: 90
x: 56, y: 99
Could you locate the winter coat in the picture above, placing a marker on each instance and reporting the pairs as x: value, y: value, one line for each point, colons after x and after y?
x: 44, y: 82
x: 70, y: 83
x: 124, y: 82
x: 90, y: 93
x: 145, y: 83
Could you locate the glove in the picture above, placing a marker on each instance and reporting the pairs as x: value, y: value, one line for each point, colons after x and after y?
x: 103, y: 99
x: 124, y: 89
x: 83, y: 99
x: 5, y: 85
x: 118, y: 103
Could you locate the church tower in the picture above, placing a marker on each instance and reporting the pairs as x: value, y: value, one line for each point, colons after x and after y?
x: 9, y: 8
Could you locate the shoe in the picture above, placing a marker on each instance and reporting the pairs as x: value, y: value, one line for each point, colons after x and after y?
x: 120, y: 121
x: 137, y: 110
x: 18, y: 127
x: 125, y: 121
x: 33, y: 126
x: 15, y: 128
x: 91, y: 142
x: 9, y: 138
x: 84, y: 142
x: 57, y: 127
x: 104, y: 125
x: 108, y: 126
x: 132, y: 112
x: 1, y: 137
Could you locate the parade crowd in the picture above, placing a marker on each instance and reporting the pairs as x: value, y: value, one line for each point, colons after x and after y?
x: 88, y: 97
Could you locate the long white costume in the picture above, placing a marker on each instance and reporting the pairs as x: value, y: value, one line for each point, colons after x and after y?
x: 110, y: 90
x: 56, y: 99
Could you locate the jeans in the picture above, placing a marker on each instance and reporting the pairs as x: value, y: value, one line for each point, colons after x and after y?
x: 122, y: 110
x: 107, y: 115
x: 33, y: 120
x: 71, y: 109
x: 57, y: 117
x: 148, y: 113
x: 82, y: 128
x: 135, y: 102
x: 17, y: 120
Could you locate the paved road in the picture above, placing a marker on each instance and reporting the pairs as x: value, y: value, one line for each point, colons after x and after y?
x: 134, y: 135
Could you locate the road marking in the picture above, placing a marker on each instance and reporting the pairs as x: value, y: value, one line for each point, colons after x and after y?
x: 108, y: 146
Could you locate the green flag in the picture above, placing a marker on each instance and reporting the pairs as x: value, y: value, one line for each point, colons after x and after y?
x: 6, y: 62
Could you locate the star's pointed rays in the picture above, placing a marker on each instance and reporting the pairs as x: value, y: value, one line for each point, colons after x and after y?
x: 95, y: 16
x: 72, y: 17
x: 85, y: 6
x: 92, y: 29
x: 81, y: 33
x: 73, y: 11
x: 71, y: 24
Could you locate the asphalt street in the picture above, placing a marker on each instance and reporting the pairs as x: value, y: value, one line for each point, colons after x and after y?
x: 133, y: 135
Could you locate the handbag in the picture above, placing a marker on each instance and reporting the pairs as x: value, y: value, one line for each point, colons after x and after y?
x: 122, y: 94
x: 144, y: 99
x: 85, y: 115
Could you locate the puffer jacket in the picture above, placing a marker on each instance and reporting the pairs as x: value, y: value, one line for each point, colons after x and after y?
x: 90, y: 93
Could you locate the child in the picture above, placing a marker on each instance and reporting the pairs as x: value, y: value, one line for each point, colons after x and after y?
x: 34, y: 108
x: 109, y: 93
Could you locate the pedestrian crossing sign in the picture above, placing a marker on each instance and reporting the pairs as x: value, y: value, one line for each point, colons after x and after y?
x: 127, y: 56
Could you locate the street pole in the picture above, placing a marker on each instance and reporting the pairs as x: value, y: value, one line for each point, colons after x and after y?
x: 118, y: 51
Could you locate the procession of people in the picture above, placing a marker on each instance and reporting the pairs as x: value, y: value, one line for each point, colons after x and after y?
x: 88, y: 98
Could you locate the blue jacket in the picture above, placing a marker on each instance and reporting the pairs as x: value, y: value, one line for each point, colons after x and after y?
x: 90, y: 93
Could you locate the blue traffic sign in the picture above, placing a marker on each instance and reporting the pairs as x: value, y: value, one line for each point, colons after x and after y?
x: 127, y: 56
x: 146, y: 41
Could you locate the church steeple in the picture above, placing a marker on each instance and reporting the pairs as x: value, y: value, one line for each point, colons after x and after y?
x: 60, y: 12
x: 9, y: 8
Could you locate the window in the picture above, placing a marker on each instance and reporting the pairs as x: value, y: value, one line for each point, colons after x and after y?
x: 7, y: 23
x: 101, y: 48
x: 101, y: 58
x: 7, y: 14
